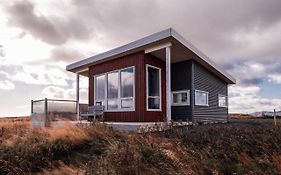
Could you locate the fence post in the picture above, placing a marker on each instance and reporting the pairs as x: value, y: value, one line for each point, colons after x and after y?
x: 46, y: 112
x: 31, y: 107
x: 77, y: 97
x: 274, y: 114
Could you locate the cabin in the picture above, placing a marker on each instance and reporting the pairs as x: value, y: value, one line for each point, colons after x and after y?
x: 159, y: 78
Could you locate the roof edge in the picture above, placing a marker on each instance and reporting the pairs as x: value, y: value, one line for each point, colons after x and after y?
x: 170, y: 32
x: 118, y: 50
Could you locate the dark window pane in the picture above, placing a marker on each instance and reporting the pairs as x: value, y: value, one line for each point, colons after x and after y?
x: 201, y: 98
x: 112, y: 85
x: 154, y: 103
x: 100, y: 87
x: 112, y: 104
x: 153, y: 82
x: 127, y: 103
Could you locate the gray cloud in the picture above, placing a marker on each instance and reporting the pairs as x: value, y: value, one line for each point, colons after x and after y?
x: 66, y: 54
x: 50, y: 29
x: 222, y: 29
x: 253, y: 72
x: 212, y: 26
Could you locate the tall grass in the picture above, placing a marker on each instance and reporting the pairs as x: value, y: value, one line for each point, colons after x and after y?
x: 96, y: 149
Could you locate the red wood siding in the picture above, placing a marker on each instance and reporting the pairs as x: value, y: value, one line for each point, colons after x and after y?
x: 139, y: 60
x: 156, y: 115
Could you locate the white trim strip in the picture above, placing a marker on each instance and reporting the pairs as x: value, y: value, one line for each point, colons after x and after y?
x: 168, y: 84
x: 159, y: 47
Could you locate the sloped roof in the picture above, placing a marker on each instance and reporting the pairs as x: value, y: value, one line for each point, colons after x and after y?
x: 142, y: 44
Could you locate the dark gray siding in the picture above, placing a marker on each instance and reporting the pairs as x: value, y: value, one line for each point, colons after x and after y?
x: 206, y: 81
x: 181, y: 80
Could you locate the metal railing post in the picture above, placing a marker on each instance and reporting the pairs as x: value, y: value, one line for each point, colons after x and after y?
x: 46, y: 112
x: 77, y: 97
x: 31, y: 107
x: 274, y: 114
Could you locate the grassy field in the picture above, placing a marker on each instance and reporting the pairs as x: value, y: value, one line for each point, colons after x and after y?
x: 236, y: 148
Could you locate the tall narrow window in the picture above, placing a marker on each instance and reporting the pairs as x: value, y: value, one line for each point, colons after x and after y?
x: 127, y: 87
x: 153, y: 75
x: 100, y: 89
x: 112, y: 91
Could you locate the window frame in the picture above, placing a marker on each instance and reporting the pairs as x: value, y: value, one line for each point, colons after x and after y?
x: 179, y: 92
x: 200, y: 91
x: 103, y: 101
x: 119, y: 99
x: 118, y: 90
x: 160, y: 89
x: 127, y: 98
x: 226, y: 99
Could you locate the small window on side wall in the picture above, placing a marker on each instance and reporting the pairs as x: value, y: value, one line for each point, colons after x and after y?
x: 201, y: 98
x: 223, y: 101
x: 180, y: 98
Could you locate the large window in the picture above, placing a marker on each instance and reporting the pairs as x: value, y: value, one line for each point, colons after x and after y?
x: 116, y: 89
x: 180, y: 98
x: 153, y: 86
x: 223, y: 101
x: 201, y: 98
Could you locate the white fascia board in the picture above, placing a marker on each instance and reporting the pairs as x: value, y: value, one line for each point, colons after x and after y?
x: 159, y: 47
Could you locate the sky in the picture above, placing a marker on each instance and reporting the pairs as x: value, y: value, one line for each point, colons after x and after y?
x: 39, y: 38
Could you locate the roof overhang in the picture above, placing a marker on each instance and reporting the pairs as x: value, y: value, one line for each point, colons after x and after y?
x: 181, y: 50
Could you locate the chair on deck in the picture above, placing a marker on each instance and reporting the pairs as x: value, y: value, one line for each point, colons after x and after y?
x: 94, y: 112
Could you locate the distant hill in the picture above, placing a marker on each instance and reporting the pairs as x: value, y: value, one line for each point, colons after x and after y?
x: 266, y: 114
x: 241, y: 116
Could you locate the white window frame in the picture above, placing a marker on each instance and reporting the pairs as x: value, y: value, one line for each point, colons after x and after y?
x: 104, y: 101
x: 119, y: 91
x: 179, y: 92
x: 160, y: 89
x: 118, y: 95
x: 201, y: 92
x: 125, y: 98
x: 226, y: 99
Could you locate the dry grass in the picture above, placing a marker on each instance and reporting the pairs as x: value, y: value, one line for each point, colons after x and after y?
x: 241, y: 116
x: 96, y: 149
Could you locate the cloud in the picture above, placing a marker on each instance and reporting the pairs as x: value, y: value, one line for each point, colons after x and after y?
x: 65, y: 54
x: 255, y: 72
x: 64, y: 93
x: 39, y: 75
x: 6, y: 85
x: 247, y: 100
x: 2, y: 53
x: 222, y: 35
x: 276, y: 78
x: 51, y: 29
x: 245, y: 96
x: 243, y: 36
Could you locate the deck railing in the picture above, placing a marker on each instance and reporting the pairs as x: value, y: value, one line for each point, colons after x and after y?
x: 46, y: 110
